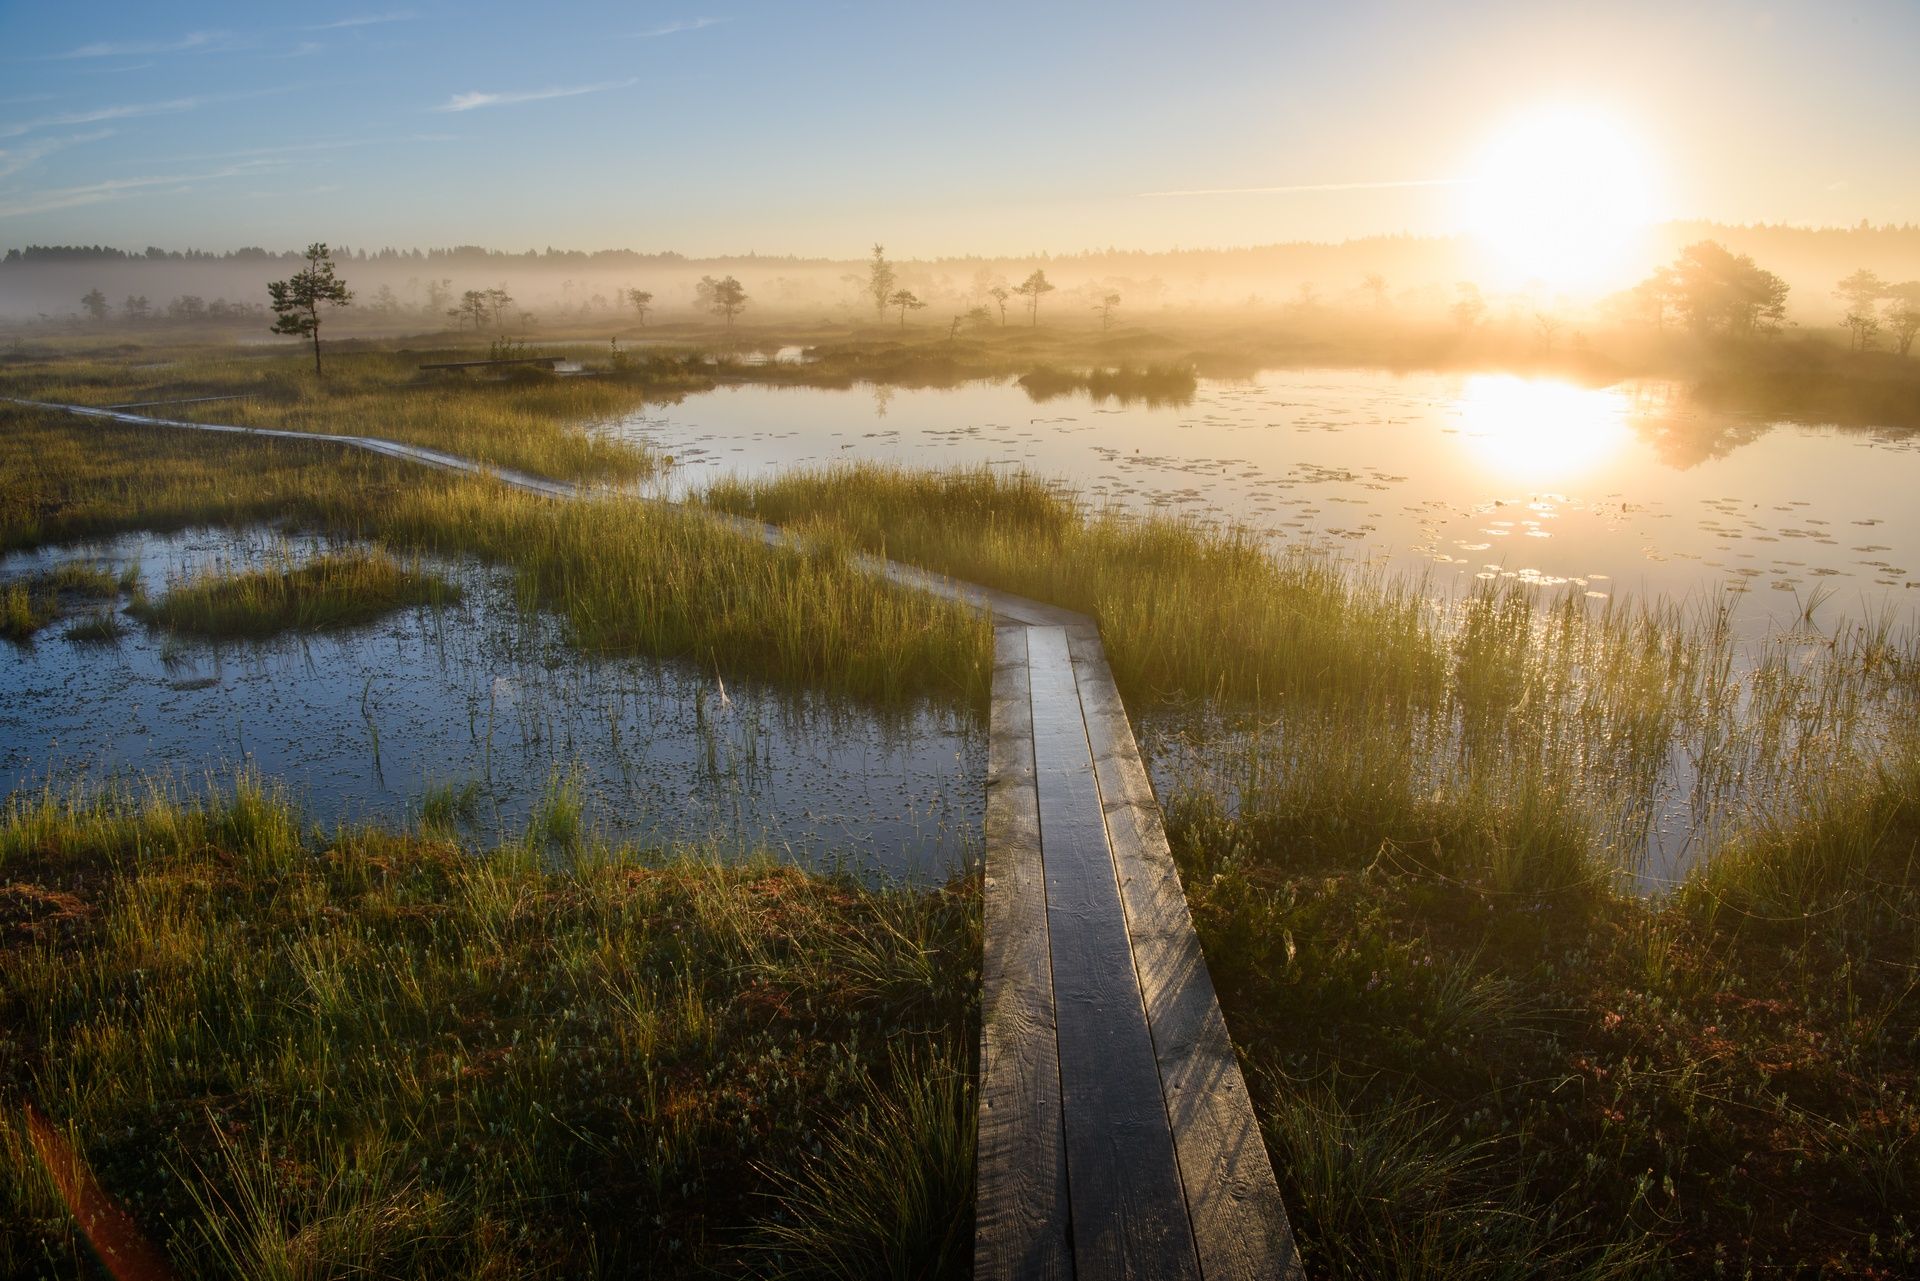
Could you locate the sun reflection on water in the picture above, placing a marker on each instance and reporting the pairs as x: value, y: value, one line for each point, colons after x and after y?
x: 1537, y: 430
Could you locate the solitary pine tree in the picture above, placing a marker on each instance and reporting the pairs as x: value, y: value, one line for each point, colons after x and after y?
x: 1031, y: 288
x: 906, y: 300
x: 297, y: 302
x: 96, y: 304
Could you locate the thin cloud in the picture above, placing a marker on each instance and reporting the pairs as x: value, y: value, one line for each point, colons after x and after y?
x: 309, y: 148
x: 366, y: 20
x: 97, y: 114
x: 672, y: 28
x: 472, y: 101
x: 194, y: 42
x: 1312, y: 186
x: 113, y: 189
x: 14, y: 159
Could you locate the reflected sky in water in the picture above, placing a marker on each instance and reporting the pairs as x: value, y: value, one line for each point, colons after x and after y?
x: 360, y: 723
x: 1628, y: 489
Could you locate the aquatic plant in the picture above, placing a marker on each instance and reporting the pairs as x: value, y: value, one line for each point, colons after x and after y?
x: 335, y: 590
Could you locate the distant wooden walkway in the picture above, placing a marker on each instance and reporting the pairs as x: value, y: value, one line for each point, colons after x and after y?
x: 1116, y: 1136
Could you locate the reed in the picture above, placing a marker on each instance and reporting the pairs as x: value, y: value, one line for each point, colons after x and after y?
x: 291, y: 1051
x: 627, y: 575
x: 331, y: 591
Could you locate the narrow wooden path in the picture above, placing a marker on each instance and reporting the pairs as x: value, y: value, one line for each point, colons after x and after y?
x: 1116, y: 1136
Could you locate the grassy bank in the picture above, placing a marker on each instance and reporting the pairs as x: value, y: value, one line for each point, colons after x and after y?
x: 290, y: 1052
x: 1357, y: 692
x: 1458, y: 1079
x: 343, y: 589
x: 628, y: 576
x: 535, y: 424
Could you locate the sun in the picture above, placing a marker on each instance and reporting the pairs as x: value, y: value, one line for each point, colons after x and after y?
x: 1560, y: 196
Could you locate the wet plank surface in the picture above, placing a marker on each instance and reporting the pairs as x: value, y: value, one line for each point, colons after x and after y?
x: 1239, y: 1222
x: 1129, y: 1210
x: 1021, y: 1193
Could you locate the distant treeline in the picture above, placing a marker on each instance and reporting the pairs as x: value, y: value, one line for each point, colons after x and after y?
x: 250, y: 253
x: 1755, y: 238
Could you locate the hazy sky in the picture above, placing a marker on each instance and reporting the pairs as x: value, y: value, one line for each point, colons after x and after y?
x: 978, y: 127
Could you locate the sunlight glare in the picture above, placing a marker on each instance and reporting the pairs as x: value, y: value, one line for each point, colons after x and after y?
x: 1537, y: 430
x: 1560, y: 196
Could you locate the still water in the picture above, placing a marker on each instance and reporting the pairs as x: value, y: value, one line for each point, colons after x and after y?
x: 360, y: 723
x: 1629, y: 489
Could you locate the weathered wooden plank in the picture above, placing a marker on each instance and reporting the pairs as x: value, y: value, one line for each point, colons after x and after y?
x: 1129, y: 1211
x: 1020, y: 1197
x: 1239, y: 1222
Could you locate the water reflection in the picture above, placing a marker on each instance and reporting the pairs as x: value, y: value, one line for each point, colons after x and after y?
x: 1541, y: 431
x: 360, y: 722
x: 1636, y: 489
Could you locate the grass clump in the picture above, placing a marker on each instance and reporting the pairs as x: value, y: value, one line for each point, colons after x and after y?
x: 1184, y: 610
x: 628, y: 576
x: 1459, y: 1076
x: 340, y: 589
x: 30, y: 604
x: 294, y: 1052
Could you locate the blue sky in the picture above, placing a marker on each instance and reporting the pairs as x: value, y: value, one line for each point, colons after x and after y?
x: 985, y: 127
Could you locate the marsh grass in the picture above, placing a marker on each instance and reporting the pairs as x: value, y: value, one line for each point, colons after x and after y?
x: 1152, y: 385
x: 31, y: 603
x: 1460, y: 1081
x: 1413, y: 831
x: 296, y: 1052
x: 627, y: 576
x: 1349, y: 700
x: 330, y: 591
x: 537, y: 425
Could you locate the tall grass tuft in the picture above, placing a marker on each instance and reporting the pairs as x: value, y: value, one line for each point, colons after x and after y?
x: 292, y: 1052
x: 335, y: 590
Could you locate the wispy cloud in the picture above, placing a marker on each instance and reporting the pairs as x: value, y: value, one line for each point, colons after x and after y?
x: 471, y: 101
x: 194, y: 42
x: 14, y: 159
x: 310, y: 148
x: 1311, y: 186
x: 671, y: 28
x: 95, y: 115
x: 52, y: 198
x: 365, y: 20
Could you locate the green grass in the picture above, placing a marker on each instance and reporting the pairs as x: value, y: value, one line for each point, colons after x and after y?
x: 295, y: 1052
x: 1183, y: 610
x: 1463, y: 1082
x: 538, y: 424
x: 28, y: 605
x: 628, y: 576
x: 335, y: 590
x: 1409, y: 828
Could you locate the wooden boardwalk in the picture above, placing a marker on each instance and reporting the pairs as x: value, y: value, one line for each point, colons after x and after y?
x: 1116, y: 1136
